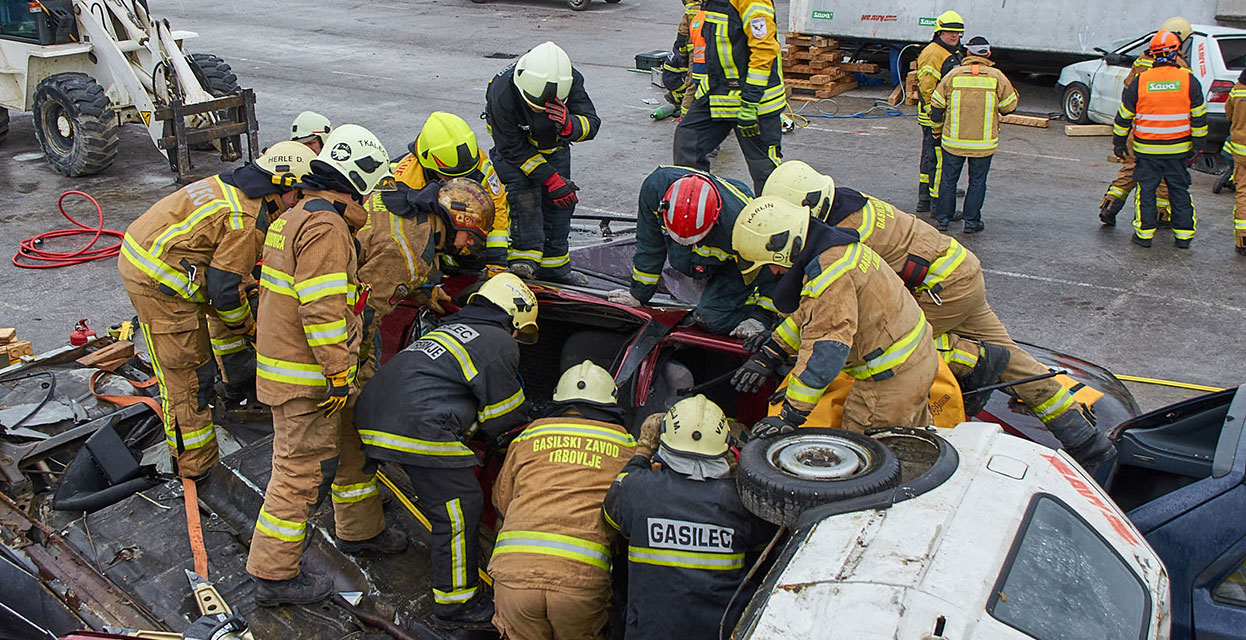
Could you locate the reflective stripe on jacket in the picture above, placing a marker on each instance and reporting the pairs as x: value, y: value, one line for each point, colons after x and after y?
x: 1235, y: 113
x: 741, y: 48
x: 967, y: 104
x: 1166, y: 111
x: 408, y: 170
x: 396, y: 254
x: 521, y: 136
x: 934, y: 60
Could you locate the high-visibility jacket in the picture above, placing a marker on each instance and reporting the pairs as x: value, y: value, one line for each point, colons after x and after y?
x: 523, y: 137
x: 853, y: 314
x: 967, y: 104
x: 741, y: 52
x: 1144, y: 62
x: 1235, y: 113
x: 686, y: 545
x: 1165, y: 110
x: 309, y: 327
x: 199, y: 243
x: 696, y: 40
x: 934, y: 60
x: 397, y: 253
x: 916, y: 251
x: 409, y: 171
x: 549, y: 493
x: 460, y: 377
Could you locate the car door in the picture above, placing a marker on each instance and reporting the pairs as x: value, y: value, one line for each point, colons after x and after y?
x: 1220, y: 596
x: 1109, y: 81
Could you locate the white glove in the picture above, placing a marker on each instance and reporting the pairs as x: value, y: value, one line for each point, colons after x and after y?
x: 748, y: 328
x: 623, y: 297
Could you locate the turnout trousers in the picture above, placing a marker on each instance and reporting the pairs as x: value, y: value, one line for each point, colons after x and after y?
x: 539, y: 230
x: 1150, y: 172
x: 1119, y: 188
x: 312, y: 455
x: 1239, y: 202
x: 698, y: 134
x: 930, y: 169
x: 528, y: 613
x: 453, y: 502
x: 901, y: 400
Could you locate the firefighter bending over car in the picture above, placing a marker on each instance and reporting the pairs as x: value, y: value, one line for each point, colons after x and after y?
x: 458, y: 381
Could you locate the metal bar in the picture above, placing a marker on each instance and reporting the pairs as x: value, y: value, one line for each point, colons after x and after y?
x: 1013, y: 383
x: 598, y: 216
x: 216, y: 104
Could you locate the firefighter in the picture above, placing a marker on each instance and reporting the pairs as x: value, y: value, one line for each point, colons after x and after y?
x: 849, y: 312
x: 185, y: 260
x: 536, y: 109
x: 742, y: 89
x: 446, y: 149
x: 686, y: 216
x: 310, y: 128
x: 676, y: 78
x: 936, y: 59
x: 1118, y: 190
x: 1235, y: 113
x: 458, y: 381
x: 686, y: 528
x: 1166, y: 112
x: 307, y: 356
x: 551, y: 562
x: 946, y: 279
x: 964, y: 99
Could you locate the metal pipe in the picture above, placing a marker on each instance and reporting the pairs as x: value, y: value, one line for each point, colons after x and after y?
x: 1013, y: 383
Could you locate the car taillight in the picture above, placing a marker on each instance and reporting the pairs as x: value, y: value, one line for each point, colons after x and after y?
x: 1219, y: 91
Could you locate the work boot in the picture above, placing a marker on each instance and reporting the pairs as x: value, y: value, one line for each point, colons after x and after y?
x: 942, y: 225
x: 525, y: 270
x: 476, y: 612
x: 1142, y: 242
x: 923, y: 205
x: 1241, y: 251
x: 923, y: 198
x: 1107, y: 215
x: 574, y: 278
x: 971, y: 227
x: 305, y: 588
x: 387, y: 542
x: 1080, y: 440
x: 992, y: 359
x: 1181, y: 243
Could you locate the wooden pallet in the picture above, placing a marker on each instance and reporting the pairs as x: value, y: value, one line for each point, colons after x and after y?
x: 816, y: 75
x: 813, y: 94
x: 801, y: 40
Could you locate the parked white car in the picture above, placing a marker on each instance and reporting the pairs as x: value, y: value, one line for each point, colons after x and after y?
x: 988, y: 536
x: 1217, y: 55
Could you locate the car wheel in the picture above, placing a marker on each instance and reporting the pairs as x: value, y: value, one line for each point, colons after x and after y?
x: 75, y: 124
x: 612, y: 1
x: 578, y: 5
x: 1077, y: 103
x: 780, y: 478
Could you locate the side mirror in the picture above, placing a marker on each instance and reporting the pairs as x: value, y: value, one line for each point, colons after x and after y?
x: 1118, y: 60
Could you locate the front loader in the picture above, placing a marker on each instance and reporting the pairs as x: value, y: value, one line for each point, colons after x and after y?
x: 86, y: 67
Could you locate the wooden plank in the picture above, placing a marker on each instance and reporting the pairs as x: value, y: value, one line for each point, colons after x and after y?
x: 14, y: 351
x: 7, y: 335
x: 1087, y: 129
x: 802, y: 40
x: 897, y: 95
x: 1025, y: 121
x: 858, y: 67
x: 808, y: 95
x: 831, y: 57
x: 109, y: 357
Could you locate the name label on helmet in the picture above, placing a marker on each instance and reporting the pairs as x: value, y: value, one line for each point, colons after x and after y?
x: 1168, y: 85
x: 689, y: 536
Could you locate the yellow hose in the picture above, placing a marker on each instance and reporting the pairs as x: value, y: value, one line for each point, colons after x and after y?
x: 406, y: 502
x: 1168, y: 383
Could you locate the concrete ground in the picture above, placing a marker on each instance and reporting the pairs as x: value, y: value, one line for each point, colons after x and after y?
x: 1054, y: 275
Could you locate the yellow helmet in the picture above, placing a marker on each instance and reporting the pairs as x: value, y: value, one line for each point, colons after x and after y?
x: 543, y: 74
x: 514, y: 297
x: 470, y: 206
x: 586, y: 382
x: 769, y: 230
x: 358, y: 156
x: 695, y: 426
x: 446, y: 145
x: 1179, y: 26
x: 798, y: 183
x: 950, y: 21
x: 308, y: 124
x: 287, y: 162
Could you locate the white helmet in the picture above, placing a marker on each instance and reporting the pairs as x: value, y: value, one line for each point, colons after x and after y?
x: 286, y: 162
x: 769, y: 230
x: 358, y: 156
x: 308, y: 124
x: 586, y: 382
x: 798, y: 183
x: 695, y: 426
x: 543, y: 74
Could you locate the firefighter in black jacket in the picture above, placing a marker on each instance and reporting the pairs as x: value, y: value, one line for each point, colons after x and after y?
x: 454, y: 382
x: 535, y: 109
x: 686, y: 528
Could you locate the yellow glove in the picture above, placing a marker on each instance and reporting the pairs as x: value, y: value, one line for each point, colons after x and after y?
x: 339, y: 392
x: 436, y: 297
x: 494, y: 269
x: 647, y: 443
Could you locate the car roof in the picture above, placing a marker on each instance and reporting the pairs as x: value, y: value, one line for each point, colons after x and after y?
x: 1217, y: 30
x: 941, y: 551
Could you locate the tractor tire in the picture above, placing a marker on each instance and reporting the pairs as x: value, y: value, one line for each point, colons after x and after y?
x: 215, y: 74
x: 4, y: 124
x: 779, y: 478
x: 75, y: 124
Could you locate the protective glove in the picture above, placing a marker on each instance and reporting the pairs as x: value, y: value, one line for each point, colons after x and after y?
x: 1191, y: 157
x: 762, y: 365
x: 753, y: 343
x: 339, y: 392
x: 787, y: 421
x: 1118, y: 149
x: 746, y: 120
x: 562, y: 192
x: 623, y: 297
x: 437, y: 296
x: 650, y: 429
x: 748, y: 329
x: 557, y: 112
x: 494, y: 269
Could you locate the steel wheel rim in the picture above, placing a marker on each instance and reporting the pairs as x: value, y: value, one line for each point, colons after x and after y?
x: 819, y: 457
x: 1074, y: 104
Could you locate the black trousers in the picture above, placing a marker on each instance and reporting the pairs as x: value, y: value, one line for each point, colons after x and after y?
x: 539, y: 230
x: 452, y: 501
x: 1149, y: 172
x: 931, y: 167
x: 698, y: 134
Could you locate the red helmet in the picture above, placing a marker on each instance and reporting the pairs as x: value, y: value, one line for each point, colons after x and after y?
x: 1163, y: 43
x: 690, y: 208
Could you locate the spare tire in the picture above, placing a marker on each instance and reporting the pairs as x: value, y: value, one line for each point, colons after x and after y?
x: 779, y: 478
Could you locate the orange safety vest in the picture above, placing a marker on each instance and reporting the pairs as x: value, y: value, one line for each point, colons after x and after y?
x: 1163, y: 110
x: 697, y: 40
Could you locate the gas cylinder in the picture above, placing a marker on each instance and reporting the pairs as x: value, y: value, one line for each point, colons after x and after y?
x: 81, y: 333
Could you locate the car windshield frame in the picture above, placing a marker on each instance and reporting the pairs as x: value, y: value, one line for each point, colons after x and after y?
x: 1014, y: 552
x: 1224, y: 58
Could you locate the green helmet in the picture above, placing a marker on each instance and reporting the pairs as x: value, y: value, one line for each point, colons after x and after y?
x: 446, y: 145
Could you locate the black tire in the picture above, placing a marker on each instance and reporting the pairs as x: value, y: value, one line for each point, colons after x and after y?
x: 75, y: 124
x: 779, y: 496
x: 4, y: 124
x: 612, y: 1
x: 1076, y: 103
x: 215, y: 74
x: 578, y: 5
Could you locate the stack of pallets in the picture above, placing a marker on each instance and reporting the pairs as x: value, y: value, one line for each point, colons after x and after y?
x: 813, y: 68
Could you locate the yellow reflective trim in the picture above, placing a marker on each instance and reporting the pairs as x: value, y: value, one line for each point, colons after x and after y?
x: 454, y: 596
x: 235, y: 204
x: 1200, y: 110
x: 395, y: 232
x: 833, y: 271
x: 1159, y: 148
x: 224, y: 347
x: 395, y: 442
x: 349, y: 493
x: 789, y: 333
x: 577, y: 430
x: 175, y: 280
x: 458, y: 544
x: 197, y: 216
x: 236, y: 315
x: 531, y: 164
x: 460, y: 354
x: 645, y: 278
x: 300, y: 373
x: 610, y: 521
x: 277, y: 281
x: 274, y: 527
x: 711, y: 252
x: 525, y: 254
x: 553, y: 544
x: 974, y: 82
x: 944, y: 265
x: 325, y: 333
x: 800, y: 392
x: 551, y: 262
x: 1055, y: 406
x: 894, y: 356
x: 192, y: 439
x: 685, y: 559
x: 322, y: 286
x: 499, y: 409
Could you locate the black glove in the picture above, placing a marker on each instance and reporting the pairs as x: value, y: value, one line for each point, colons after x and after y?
x: 754, y: 343
x: 1191, y: 157
x: 1118, y: 149
x: 760, y: 366
x: 787, y: 421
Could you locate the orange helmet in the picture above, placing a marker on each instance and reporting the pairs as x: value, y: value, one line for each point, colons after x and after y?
x: 1164, y: 43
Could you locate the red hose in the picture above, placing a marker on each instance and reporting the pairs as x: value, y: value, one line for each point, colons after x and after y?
x: 29, y: 251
